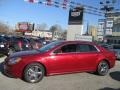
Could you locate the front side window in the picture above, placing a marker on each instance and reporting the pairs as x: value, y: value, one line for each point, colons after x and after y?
x: 49, y: 46
x: 67, y: 48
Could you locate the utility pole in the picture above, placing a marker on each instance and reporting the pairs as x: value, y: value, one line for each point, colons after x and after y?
x: 106, y: 6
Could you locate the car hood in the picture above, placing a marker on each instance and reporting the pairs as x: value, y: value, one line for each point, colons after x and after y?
x: 24, y: 53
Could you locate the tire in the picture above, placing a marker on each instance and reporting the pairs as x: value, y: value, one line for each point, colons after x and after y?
x: 34, y: 73
x: 103, y: 68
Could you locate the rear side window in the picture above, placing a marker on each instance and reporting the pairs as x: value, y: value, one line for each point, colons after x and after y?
x: 86, y: 48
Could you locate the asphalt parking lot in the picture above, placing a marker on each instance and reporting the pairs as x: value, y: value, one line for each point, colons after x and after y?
x: 78, y: 81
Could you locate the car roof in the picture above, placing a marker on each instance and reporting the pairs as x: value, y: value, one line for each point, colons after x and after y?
x: 83, y: 42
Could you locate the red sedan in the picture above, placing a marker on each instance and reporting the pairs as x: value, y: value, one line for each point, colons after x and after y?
x: 59, y: 57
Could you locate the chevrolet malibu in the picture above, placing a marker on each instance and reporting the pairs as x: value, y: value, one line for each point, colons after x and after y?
x: 59, y: 57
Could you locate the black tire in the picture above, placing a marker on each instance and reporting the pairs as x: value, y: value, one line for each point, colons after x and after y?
x: 103, y: 68
x: 33, y: 73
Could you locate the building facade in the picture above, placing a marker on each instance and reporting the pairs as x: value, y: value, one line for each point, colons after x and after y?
x: 92, y: 30
x: 109, y: 28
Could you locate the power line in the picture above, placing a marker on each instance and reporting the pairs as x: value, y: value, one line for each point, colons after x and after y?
x: 65, y: 4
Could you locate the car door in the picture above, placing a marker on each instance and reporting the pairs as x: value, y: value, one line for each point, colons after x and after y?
x: 86, y: 56
x: 63, y: 59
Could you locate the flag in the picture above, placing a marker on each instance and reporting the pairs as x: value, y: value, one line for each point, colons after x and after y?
x: 64, y: 5
x: 49, y: 2
x: 32, y: 1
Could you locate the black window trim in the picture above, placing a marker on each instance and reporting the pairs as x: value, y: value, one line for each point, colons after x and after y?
x: 90, y: 51
x: 53, y: 51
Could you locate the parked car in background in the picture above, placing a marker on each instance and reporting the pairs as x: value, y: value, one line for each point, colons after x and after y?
x: 35, y: 43
x: 19, y: 44
x: 4, y: 46
x: 59, y: 57
x: 113, y: 47
x: 107, y: 46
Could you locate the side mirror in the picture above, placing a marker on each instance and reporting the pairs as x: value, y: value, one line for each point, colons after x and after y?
x: 57, y: 52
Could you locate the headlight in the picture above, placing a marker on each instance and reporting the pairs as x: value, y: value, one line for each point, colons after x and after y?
x: 14, y: 60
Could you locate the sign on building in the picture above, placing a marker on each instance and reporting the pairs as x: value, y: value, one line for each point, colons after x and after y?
x: 83, y: 38
x: 24, y: 26
x: 76, y: 16
x: 108, y: 31
x: 109, y: 23
x: 109, y: 27
x: 105, y: 27
x: 42, y: 34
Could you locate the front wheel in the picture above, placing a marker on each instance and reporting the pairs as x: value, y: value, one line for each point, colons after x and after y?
x: 34, y: 73
x: 103, y: 68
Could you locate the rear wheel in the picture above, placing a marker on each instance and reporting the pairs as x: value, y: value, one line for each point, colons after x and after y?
x: 34, y: 73
x: 103, y: 68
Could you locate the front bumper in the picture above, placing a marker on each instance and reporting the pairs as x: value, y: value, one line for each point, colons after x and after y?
x: 12, y: 70
x: 7, y: 71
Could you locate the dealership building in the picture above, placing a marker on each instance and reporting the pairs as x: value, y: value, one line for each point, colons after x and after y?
x: 75, y: 23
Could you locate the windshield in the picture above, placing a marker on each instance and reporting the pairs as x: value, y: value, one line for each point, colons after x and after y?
x: 49, y: 46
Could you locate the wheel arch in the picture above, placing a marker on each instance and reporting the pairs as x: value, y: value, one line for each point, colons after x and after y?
x: 104, y: 60
x: 35, y: 62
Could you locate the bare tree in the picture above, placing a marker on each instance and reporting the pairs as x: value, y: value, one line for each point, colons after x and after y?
x: 42, y: 26
x: 55, y: 27
x: 3, y: 28
x: 56, y: 32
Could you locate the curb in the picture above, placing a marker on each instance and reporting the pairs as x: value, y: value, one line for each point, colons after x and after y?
x: 2, y: 59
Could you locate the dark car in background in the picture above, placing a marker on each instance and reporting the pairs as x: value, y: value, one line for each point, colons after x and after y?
x: 4, y: 46
x: 19, y: 44
x: 35, y: 43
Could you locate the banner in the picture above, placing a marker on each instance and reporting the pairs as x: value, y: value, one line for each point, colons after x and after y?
x: 64, y: 5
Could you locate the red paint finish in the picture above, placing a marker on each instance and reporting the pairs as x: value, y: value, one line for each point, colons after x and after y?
x: 60, y: 62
